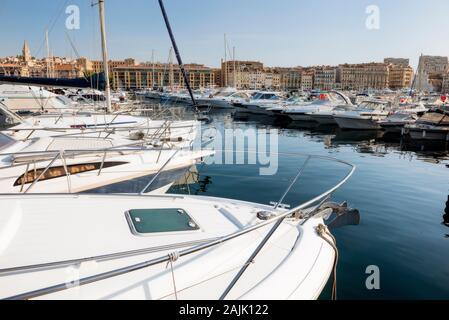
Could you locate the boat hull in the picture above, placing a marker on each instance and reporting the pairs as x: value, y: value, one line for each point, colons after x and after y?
x: 428, y: 134
x: 324, y: 119
x: 347, y: 123
x: 300, y: 117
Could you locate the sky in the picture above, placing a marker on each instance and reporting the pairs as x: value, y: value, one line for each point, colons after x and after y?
x: 276, y: 32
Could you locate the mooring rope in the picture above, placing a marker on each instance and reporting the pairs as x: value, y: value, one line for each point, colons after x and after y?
x: 326, y: 235
x: 174, y: 256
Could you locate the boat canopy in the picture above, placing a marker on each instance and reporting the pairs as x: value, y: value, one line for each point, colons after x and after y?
x: 95, y: 81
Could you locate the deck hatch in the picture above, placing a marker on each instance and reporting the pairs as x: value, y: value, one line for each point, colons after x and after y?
x: 150, y: 221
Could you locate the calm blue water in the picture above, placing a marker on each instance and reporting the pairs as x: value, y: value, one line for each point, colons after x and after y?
x: 400, y: 190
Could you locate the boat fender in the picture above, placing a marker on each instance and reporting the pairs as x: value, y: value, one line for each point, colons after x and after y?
x: 139, y: 135
x: 265, y: 215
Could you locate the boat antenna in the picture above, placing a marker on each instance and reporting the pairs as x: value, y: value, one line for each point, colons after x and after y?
x: 178, y: 55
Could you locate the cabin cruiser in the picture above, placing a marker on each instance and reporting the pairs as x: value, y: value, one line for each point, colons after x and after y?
x: 405, y: 114
x: 397, y: 121
x: 260, y: 102
x: 135, y: 128
x: 76, y: 164
x: 28, y: 99
x: 434, y: 125
x: 224, y: 99
x: 326, y: 103
x: 365, y: 117
x: 324, y: 117
x: 164, y: 247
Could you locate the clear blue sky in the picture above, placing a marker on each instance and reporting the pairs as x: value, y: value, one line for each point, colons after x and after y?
x: 276, y: 32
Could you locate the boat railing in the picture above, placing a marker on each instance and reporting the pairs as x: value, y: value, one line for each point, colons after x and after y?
x: 160, y: 131
x: 50, y: 157
x: 312, y: 206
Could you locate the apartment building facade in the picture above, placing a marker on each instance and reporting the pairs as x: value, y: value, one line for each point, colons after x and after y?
x: 325, y: 78
x: 161, y: 75
x: 364, y: 76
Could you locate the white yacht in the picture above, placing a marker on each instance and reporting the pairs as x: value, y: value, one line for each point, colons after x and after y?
x: 326, y: 103
x: 125, y: 126
x: 365, y: 117
x: 22, y: 99
x: 260, y: 102
x: 324, y: 117
x: 164, y: 247
x: 224, y: 99
x: 73, y: 164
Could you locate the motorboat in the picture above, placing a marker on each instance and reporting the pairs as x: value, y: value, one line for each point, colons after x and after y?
x: 126, y: 126
x: 365, y: 117
x: 164, y: 247
x: 324, y: 117
x: 224, y: 99
x: 73, y: 164
x: 434, y: 125
x: 397, y: 121
x: 326, y: 103
x: 28, y: 99
x: 260, y: 102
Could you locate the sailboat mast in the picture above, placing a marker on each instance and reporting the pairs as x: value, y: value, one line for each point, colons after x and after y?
x: 152, y: 71
x: 104, y: 50
x: 178, y: 55
x: 226, y: 61
x: 171, y: 75
x: 235, y: 74
x: 48, y: 53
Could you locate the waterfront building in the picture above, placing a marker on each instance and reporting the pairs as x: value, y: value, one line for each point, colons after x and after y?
x: 398, y: 61
x: 243, y: 74
x: 431, y: 71
x: 97, y: 65
x: 290, y: 78
x: 161, y: 75
x: 364, y: 76
x: 67, y: 71
x: 400, y: 76
x: 307, y: 80
x: 13, y: 69
x: 325, y: 78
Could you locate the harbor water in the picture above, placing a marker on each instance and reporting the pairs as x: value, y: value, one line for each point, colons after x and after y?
x: 400, y: 190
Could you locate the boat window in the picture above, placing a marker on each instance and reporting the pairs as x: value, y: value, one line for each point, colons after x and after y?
x: 150, y: 221
x: 58, y: 172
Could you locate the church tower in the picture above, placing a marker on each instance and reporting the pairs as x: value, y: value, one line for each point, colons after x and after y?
x: 26, y: 54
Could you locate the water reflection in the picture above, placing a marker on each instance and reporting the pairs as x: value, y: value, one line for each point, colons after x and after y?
x: 377, y: 143
x: 446, y: 214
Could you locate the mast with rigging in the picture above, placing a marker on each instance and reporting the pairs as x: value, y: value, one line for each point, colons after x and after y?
x: 104, y: 50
